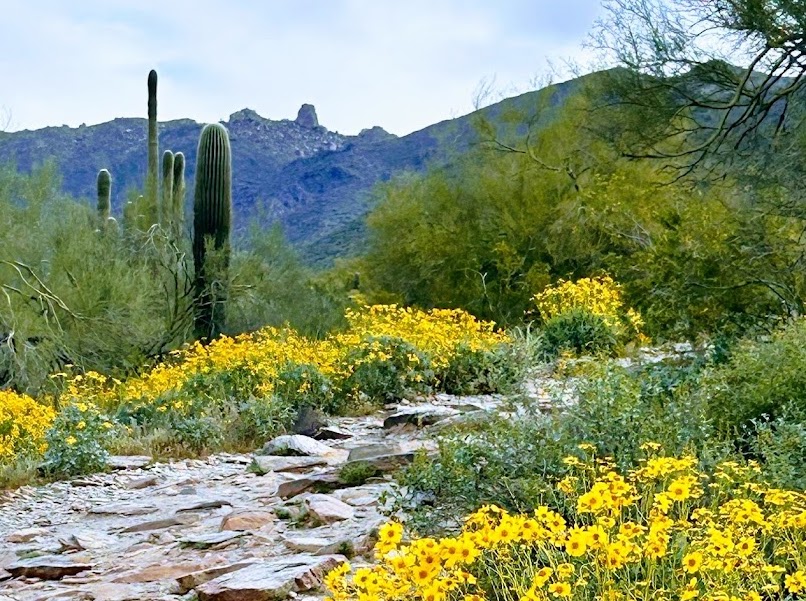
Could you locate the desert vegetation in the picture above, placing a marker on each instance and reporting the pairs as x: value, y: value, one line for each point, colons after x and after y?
x: 577, y: 241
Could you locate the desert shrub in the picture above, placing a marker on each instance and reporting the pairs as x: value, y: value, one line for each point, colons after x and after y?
x: 260, y: 419
x: 586, y: 316
x: 384, y: 369
x: 306, y: 386
x: 759, y: 380
x: 77, y: 440
x: 487, y: 371
x: 506, y: 460
x: 780, y: 445
x: 578, y: 332
x: 662, y: 528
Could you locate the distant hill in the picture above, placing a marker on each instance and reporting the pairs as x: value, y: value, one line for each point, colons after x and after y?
x: 316, y: 182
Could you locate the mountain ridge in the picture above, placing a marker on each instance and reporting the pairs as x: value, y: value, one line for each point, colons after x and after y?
x: 315, y: 182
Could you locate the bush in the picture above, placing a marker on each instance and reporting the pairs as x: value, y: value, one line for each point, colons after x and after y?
x: 385, y: 369
x: 77, y: 441
x: 478, y: 371
x: 780, y: 445
x: 507, y: 460
x: 759, y: 380
x: 579, y: 332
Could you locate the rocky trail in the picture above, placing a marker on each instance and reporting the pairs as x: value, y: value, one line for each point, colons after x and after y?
x: 230, y: 527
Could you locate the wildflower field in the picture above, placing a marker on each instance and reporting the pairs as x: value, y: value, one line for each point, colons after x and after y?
x: 663, y: 530
x: 250, y: 386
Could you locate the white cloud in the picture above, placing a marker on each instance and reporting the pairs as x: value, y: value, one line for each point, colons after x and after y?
x: 401, y: 65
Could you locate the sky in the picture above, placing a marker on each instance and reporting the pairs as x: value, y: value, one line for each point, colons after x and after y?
x: 399, y: 64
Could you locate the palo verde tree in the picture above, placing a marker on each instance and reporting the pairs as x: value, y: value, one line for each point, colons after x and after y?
x: 713, y: 89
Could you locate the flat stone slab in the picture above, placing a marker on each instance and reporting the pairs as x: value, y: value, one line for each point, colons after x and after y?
x: 52, y: 567
x: 320, y: 482
x: 419, y: 416
x: 296, y: 445
x: 270, y: 463
x: 203, y: 541
x: 123, y: 509
x: 128, y: 462
x: 270, y: 581
x: 190, y: 581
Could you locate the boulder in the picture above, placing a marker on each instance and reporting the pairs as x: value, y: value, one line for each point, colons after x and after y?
x: 270, y: 581
x: 306, y: 117
x: 296, y: 445
x: 328, y: 509
x: 247, y: 519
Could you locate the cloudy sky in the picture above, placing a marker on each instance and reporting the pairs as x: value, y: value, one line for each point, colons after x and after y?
x: 399, y: 64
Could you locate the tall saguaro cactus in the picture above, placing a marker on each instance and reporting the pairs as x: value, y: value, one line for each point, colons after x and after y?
x: 178, y: 220
x: 212, y: 226
x: 152, y: 213
x: 166, y: 216
x: 104, y: 197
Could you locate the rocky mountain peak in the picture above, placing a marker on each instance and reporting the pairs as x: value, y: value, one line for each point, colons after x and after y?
x: 306, y: 117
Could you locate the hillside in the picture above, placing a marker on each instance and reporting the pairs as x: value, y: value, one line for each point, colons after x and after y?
x: 316, y: 182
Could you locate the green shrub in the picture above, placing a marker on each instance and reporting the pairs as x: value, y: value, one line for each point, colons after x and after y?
x: 759, y: 380
x: 579, y: 332
x: 77, y: 441
x: 386, y: 369
x: 508, y: 460
x: 780, y: 444
x: 357, y: 473
x: 305, y: 386
x: 481, y: 371
x: 260, y: 419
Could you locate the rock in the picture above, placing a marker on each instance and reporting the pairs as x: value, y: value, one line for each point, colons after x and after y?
x: 128, y: 462
x: 203, y: 541
x: 328, y: 509
x: 202, y: 505
x: 190, y: 581
x: 332, y: 433
x: 247, y: 519
x: 309, y: 421
x: 296, y: 444
x: 51, y: 567
x: 321, y: 482
x: 154, y: 525
x: 85, y: 541
x: 269, y: 463
x: 122, y: 509
x: 271, y: 581
x: 420, y: 416
x: 26, y: 535
x: 306, y: 117
x: 160, y: 572
x: 139, y: 483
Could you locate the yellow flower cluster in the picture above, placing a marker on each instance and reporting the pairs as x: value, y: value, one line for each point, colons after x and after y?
x: 599, y: 295
x: 260, y: 356
x: 23, y: 424
x: 437, y: 332
x: 663, y: 531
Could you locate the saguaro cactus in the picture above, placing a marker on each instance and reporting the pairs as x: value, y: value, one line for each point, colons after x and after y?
x: 166, y: 216
x: 104, y: 197
x: 178, y: 208
x: 212, y: 225
x: 152, y: 213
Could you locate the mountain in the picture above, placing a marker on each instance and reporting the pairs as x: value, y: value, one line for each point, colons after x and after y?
x: 316, y: 182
